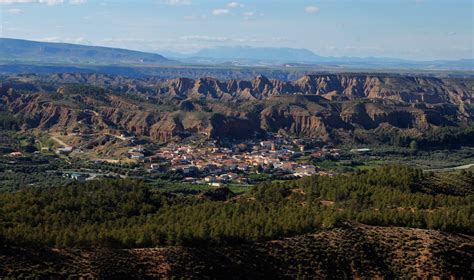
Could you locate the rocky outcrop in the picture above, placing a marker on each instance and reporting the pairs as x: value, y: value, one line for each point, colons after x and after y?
x: 312, y: 106
x: 165, y: 129
x: 293, y: 121
x: 373, y: 86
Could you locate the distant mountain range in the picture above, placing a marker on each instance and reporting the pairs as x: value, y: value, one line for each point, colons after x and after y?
x: 269, y: 55
x: 241, y: 55
x: 16, y: 51
x: 263, y: 54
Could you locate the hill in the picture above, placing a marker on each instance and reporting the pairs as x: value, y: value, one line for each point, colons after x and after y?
x: 392, y: 222
x: 24, y: 56
x: 253, y: 55
x: 343, y: 107
x: 294, y: 57
x: 347, y: 252
x: 24, y: 51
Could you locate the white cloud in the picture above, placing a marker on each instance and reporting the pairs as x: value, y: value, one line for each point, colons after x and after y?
x: 204, y: 38
x: 15, y: 11
x: 311, y: 9
x: 194, y: 17
x: 17, y: 1
x: 234, y: 5
x: 77, y: 40
x: 281, y: 39
x: 221, y: 12
x: 248, y: 40
x: 178, y: 2
x: 252, y: 15
x: 49, y: 39
x: 47, y: 2
x: 77, y: 2
x: 51, y: 2
x: 222, y: 40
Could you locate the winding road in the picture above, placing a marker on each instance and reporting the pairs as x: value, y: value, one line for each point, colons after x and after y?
x: 460, y: 167
x: 59, y: 141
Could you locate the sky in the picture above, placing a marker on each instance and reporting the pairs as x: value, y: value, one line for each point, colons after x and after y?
x: 408, y: 29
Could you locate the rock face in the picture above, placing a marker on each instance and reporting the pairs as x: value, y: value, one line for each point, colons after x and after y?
x: 293, y: 120
x: 393, y: 87
x: 312, y: 106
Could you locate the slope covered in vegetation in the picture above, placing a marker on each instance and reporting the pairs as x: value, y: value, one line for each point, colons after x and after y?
x: 347, y: 252
x: 390, y: 222
x: 128, y: 214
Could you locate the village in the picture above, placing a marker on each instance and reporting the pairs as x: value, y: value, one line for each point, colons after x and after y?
x: 208, y: 162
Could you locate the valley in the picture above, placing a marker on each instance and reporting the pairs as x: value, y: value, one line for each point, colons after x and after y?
x: 208, y: 132
x: 188, y: 139
x: 330, y: 174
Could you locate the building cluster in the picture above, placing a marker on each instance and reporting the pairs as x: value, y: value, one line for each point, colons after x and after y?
x: 208, y: 163
x: 213, y: 163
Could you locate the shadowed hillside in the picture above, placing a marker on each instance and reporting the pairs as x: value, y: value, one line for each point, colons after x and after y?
x: 347, y: 252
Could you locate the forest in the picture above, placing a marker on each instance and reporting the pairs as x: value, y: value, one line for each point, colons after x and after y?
x: 128, y: 214
x: 441, y: 138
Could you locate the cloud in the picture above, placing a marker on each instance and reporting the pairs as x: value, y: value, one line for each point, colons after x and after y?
x: 281, y: 39
x: 204, y: 38
x: 194, y: 17
x: 226, y: 11
x: 248, y: 40
x: 51, y: 2
x: 252, y: 15
x: 17, y: 1
x: 221, y: 12
x: 77, y: 40
x: 178, y: 2
x: 77, y: 2
x: 47, y: 2
x: 49, y: 39
x: 234, y: 5
x: 15, y: 11
x: 311, y: 9
x: 223, y: 40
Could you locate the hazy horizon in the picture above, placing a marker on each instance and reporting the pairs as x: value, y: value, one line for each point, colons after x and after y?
x: 409, y: 29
